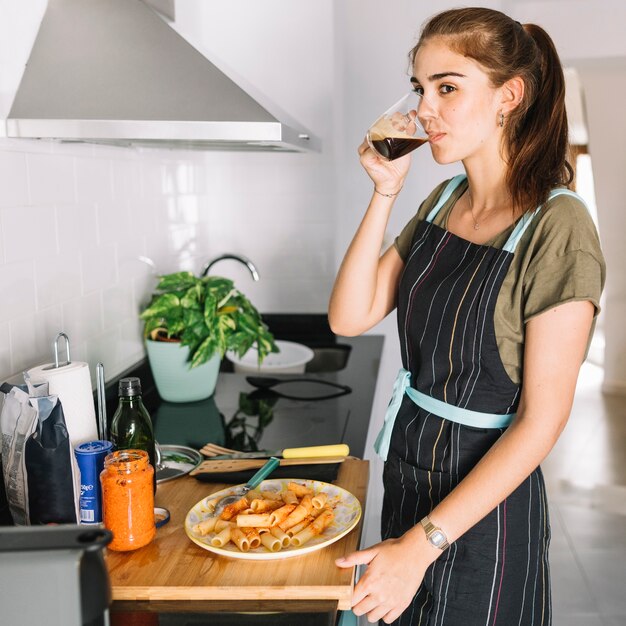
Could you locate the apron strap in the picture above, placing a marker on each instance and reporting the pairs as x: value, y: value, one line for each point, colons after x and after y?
x: 381, y: 445
x: 402, y: 386
x: 527, y: 218
x: 443, y: 198
x: 458, y: 414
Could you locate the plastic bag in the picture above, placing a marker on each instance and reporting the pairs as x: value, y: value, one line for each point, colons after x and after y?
x: 41, y: 474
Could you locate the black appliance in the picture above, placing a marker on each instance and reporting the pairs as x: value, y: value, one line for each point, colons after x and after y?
x: 54, y: 575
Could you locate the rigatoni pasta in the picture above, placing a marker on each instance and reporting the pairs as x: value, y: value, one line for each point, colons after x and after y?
x: 259, y: 505
x: 222, y: 537
x: 289, y: 497
x: 299, y: 490
x: 269, y: 519
x: 206, y: 526
x: 273, y: 544
x: 314, y: 528
x: 284, y: 538
x: 240, y: 539
x: 319, y: 500
x: 254, y: 519
x: 281, y: 514
x: 298, y: 514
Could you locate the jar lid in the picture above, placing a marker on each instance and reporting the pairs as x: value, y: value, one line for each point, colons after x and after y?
x: 130, y: 386
x: 161, y: 516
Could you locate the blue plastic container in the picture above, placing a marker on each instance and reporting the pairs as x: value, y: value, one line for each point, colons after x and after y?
x: 90, y: 457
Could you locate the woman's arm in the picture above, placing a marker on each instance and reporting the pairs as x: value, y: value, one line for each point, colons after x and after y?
x: 554, y: 349
x: 366, y: 285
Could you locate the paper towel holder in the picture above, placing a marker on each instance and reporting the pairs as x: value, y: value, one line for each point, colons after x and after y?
x: 55, y: 345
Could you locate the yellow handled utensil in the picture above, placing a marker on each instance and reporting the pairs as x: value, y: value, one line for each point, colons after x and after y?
x: 338, y: 449
x: 217, y: 452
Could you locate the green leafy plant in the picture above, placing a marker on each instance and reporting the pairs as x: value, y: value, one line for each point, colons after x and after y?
x: 208, y: 314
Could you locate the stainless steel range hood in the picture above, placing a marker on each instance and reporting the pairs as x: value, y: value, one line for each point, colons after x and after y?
x: 114, y: 72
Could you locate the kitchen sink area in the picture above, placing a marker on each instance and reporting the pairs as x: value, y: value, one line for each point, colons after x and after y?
x: 330, y: 403
x: 329, y: 358
x: 330, y: 353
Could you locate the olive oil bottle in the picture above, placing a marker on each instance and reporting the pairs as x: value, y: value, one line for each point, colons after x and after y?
x: 131, y: 426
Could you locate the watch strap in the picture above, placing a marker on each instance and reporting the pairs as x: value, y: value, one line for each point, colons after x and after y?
x: 433, y: 532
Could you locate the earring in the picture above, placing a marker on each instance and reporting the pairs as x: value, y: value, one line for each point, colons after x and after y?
x: 501, y: 120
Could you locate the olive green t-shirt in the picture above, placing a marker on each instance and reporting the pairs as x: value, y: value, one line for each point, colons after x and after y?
x: 558, y: 259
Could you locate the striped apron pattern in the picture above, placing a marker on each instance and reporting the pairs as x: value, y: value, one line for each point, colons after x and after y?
x: 452, y: 401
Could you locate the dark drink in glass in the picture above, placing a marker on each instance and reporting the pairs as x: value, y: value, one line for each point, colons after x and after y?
x: 398, y: 131
x: 392, y: 148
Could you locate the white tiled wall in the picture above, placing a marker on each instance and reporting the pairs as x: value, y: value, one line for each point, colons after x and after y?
x: 76, y: 219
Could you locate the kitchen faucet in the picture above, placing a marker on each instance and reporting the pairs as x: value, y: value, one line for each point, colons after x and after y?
x: 235, y: 257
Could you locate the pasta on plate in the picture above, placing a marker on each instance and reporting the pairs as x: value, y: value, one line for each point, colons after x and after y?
x: 281, y: 518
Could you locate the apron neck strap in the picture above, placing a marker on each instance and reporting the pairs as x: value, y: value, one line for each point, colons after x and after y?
x: 443, y: 198
x: 527, y: 218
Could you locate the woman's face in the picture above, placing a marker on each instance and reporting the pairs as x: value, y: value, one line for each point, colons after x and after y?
x: 460, y: 107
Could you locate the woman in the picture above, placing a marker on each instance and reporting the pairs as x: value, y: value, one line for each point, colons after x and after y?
x: 496, y: 281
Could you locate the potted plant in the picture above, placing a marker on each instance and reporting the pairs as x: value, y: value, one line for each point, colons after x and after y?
x: 190, y: 323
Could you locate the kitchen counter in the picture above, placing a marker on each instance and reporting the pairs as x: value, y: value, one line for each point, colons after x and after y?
x: 174, y: 574
x: 172, y: 568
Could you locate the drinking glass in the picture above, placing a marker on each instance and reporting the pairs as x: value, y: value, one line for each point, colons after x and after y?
x: 398, y: 131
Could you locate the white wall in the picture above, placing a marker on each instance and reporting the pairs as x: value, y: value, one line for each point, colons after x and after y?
x: 590, y: 37
x: 607, y: 138
x: 75, y: 218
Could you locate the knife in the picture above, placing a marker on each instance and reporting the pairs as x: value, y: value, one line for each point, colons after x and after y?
x: 339, y: 449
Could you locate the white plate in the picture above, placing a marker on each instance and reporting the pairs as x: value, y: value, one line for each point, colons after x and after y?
x: 347, y: 511
x: 291, y: 359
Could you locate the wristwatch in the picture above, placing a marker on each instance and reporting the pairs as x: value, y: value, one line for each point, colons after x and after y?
x: 436, y: 537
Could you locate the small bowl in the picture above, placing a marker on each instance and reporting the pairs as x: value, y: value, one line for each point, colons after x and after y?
x: 161, y: 516
x: 291, y: 359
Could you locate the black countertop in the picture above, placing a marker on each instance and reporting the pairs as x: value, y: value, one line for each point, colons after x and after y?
x: 241, y: 417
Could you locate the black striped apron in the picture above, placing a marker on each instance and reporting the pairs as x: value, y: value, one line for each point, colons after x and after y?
x: 497, y: 572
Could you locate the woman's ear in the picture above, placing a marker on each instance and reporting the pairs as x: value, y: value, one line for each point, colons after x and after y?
x: 512, y: 93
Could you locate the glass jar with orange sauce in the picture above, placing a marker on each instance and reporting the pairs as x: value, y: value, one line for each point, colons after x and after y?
x: 128, y: 499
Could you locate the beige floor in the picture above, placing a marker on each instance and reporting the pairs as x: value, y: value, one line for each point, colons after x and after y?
x: 586, y: 478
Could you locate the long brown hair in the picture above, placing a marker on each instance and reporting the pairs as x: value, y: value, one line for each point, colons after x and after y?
x: 535, y: 133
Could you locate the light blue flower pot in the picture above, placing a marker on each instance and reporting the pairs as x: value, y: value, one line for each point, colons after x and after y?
x: 174, y: 379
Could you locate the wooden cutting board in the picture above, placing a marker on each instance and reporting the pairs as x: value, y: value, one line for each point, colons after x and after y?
x: 240, y: 465
x: 172, y: 567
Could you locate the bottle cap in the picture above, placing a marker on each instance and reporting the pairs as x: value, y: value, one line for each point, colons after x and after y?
x: 129, y: 386
x: 94, y: 447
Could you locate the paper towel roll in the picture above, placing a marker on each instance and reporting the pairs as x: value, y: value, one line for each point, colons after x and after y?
x: 72, y: 383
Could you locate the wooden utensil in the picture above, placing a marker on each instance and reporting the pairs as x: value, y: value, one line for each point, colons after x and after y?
x: 339, y: 449
x: 241, y: 465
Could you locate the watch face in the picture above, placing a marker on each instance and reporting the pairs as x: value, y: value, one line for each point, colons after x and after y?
x: 437, y: 538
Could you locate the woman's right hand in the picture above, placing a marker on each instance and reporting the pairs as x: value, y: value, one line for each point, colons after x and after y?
x: 387, y: 176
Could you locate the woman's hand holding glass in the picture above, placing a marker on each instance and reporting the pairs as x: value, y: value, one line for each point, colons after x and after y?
x: 398, y: 131
x: 387, y: 176
x: 389, y: 140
